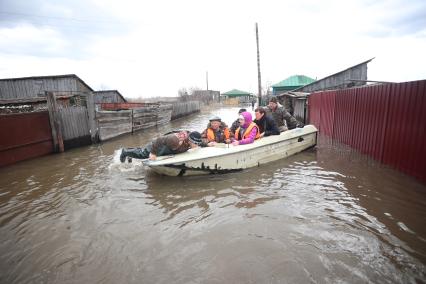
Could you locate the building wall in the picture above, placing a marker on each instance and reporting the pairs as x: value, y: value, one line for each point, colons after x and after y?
x: 299, y: 110
x: 33, y: 87
x: 339, y: 80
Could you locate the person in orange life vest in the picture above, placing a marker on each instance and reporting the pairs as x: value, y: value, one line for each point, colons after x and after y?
x: 216, y: 132
x: 236, y: 123
x: 248, y: 130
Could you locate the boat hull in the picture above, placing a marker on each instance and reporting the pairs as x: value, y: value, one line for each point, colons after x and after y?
x: 225, y: 159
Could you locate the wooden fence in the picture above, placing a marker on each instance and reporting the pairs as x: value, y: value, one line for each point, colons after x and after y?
x: 59, y: 124
x: 113, y: 123
x: 128, y: 118
x: 183, y: 109
x: 75, y: 126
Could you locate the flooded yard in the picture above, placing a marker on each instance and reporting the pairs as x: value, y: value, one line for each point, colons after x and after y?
x: 326, y: 215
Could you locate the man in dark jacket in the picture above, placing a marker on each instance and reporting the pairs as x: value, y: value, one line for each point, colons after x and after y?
x: 169, y: 144
x: 266, y: 124
x: 236, y: 123
x: 281, y: 116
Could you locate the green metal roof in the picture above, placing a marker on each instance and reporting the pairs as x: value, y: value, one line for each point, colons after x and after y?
x: 294, y: 81
x: 236, y: 93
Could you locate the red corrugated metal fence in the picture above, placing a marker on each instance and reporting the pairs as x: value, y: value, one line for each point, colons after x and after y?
x: 387, y: 122
x: 24, y: 136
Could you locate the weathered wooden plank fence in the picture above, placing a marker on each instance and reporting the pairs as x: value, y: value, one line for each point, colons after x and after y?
x: 69, y: 123
x: 75, y: 126
x: 144, y: 118
x: 122, y: 118
x: 113, y: 123
x: 183, y: 109
x: 164, y: 114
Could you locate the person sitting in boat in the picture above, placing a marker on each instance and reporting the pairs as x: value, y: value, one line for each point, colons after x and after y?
x: 216, y: 132
x: 169, y: 144
x: 266, y: 123
x: 283, y: 118
x: 247, y: 132
x: 236, y: 123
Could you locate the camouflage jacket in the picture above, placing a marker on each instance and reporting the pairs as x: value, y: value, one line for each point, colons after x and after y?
x: 280, y: 115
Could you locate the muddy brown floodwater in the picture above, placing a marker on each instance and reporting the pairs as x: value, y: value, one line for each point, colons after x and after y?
x: 327, y: 215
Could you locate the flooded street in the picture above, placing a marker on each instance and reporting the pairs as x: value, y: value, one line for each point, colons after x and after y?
x: 326, y: 215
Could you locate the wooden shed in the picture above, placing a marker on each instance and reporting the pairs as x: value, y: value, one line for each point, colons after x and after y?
x: 30, y: 87
x: 298, y: 104
x: 108, y: 96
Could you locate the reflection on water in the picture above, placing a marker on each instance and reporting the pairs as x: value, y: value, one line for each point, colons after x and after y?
x: 326, y: 215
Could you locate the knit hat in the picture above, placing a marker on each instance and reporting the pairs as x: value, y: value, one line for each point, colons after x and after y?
x: 195, y: 137
x: 241, y: 110
x: 215, y: 118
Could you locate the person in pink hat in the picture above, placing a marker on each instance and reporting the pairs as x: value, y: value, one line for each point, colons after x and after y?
x: 247, y: 132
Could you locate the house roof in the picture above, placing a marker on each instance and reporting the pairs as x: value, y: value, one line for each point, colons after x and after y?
x: 110, y: 91
x: 49, y: 77
x: 367, y: 61
x: 236, y: 93
x: 294, y: 81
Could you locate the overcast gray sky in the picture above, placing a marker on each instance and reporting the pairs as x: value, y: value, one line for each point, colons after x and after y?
x: 153, y: 48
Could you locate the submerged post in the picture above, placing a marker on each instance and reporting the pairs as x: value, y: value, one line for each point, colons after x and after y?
x: 259, y: 86
x: 55, y: 122
x: 91, y: 112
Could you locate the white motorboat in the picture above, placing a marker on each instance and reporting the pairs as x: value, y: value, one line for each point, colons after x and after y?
x: 228, y: 158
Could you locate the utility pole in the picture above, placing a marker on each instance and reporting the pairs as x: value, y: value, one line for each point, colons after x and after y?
x: 258, y: 69
x: 207, y: 80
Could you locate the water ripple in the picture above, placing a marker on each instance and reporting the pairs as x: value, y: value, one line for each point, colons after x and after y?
x: 82, y: 216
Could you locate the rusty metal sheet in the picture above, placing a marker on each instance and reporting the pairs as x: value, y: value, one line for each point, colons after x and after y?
x: 28, y: 136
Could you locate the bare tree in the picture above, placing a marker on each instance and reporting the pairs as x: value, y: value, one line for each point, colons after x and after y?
x: 183, y: 94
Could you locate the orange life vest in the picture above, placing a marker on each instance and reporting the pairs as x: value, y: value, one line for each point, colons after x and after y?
x: 247, y: 132
x: 211, y: 134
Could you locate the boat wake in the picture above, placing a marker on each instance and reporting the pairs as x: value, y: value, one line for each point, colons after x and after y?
x: 116, y: 165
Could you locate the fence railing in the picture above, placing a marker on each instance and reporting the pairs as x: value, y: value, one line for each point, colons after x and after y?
x: 57, y: 122
x: 386, y: 122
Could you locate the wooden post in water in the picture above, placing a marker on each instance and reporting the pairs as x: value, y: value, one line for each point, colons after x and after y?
x: 91, y: 111
x: 259, y: 86
x: 55, y: 122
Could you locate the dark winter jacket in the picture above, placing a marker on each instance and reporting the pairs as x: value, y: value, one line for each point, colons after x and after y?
x: 267, y: 125
x: 234, y: 127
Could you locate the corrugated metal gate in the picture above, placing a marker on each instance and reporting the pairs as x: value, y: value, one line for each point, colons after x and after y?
x: 387, y: 122
x: 24, y: 136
